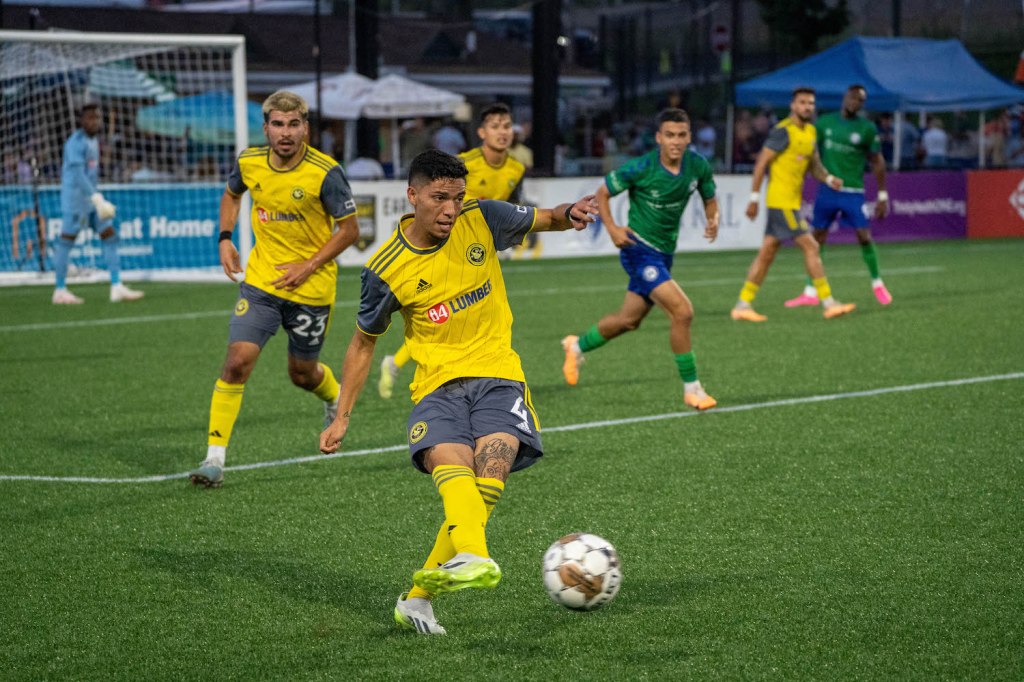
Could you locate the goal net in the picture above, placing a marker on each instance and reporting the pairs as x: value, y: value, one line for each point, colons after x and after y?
x: 175, y: 116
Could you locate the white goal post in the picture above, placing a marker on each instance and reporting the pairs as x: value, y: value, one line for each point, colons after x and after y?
x: 175, y: 116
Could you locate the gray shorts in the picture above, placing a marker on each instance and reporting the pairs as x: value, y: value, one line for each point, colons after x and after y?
x: 258, y: 316
x: 466, y: 409
x: 785, y: 224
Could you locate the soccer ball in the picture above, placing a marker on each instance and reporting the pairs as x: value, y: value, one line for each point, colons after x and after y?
x: 581, y: 571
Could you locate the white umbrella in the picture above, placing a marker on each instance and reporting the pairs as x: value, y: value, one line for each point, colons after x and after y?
x: 396, y: 97
x: 340, y: 96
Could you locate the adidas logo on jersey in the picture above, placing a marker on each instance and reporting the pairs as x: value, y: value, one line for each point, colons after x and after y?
x: 423, y: 286
x: 257, y: 188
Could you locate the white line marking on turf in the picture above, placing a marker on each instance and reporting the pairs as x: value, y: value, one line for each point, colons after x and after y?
x: 515, y: 293
x: 555, y: 429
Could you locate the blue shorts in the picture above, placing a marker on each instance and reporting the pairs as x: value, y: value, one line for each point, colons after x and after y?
x: 846, y: 207
x: 647, y: 268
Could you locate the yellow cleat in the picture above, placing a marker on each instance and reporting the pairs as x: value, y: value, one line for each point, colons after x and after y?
x: 747, y: 315
x: 571, y: 366
x: 699, y: 401
x: 838, y: 310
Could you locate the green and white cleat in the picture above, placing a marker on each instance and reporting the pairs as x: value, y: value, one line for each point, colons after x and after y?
x: 207, y: 475
x: 418, y: 615
x: 462, y: 571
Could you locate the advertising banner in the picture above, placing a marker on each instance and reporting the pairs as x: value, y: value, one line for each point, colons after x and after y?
x: 160, y: 227
x: 995, y: 201
x: 922, y: 205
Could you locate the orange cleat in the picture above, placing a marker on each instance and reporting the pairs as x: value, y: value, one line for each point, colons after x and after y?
x: 747, y: 315
x: 838, y: 310
x: 699, y: 400
x: 573, y: 360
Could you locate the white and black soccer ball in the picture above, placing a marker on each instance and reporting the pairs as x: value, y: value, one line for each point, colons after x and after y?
x: 582, y: 571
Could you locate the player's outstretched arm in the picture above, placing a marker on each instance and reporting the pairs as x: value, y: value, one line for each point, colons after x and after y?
x: 294, y: 274
x: 358, y: 359
x: 230, y: 205
x: 575, y: 216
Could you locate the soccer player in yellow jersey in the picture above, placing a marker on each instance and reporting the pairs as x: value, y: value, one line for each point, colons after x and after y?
x: 791, y: 151
x: 303, y: 216
x: 493, y: 174
x: 473, y: 422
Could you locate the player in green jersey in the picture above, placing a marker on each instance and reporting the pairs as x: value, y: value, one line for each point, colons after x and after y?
x: 846, y: 141
x: 659, y: 184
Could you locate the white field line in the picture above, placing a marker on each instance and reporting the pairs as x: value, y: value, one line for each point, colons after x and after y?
x: 515, y: 293
x: 556, y: 429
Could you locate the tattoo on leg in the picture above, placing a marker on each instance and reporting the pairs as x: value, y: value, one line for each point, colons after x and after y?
x: 494, y: 459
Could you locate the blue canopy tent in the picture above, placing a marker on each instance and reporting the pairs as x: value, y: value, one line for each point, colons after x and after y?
x: 209, y: 118
x: 900, y: 74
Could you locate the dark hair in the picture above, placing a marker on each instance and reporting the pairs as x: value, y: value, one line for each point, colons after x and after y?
x: 803, y: 90
x: 673, y: 114
x: 857, y: 86
x: 496, y: 109
x: 434, y: 164
x: 92, y: 106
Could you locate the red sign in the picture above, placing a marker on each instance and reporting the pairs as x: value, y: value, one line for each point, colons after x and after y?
x: 995, y: 204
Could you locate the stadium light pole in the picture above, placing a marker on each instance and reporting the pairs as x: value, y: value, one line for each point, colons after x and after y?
x: 318, y: 66
x: 547, y: 23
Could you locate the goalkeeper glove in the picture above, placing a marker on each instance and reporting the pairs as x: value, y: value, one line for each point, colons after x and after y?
x: 104, y: 209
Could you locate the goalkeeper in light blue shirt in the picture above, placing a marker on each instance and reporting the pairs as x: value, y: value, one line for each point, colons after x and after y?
x: 82, y: 206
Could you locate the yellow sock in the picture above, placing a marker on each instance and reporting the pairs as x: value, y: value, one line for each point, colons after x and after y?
x: 490, y: 490
x: 224, y: 407
x: 402, y: 356
x: 442, y: 551
x: 749, y: 291
x: 327, y: 391
x: 464, y: 509
x: 822, y: 287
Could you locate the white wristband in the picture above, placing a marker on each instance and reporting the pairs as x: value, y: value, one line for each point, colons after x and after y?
x: 829, y: 178
x: 755, y: 197
x: 883, y: 195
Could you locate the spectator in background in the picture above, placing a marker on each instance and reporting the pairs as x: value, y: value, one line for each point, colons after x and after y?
x: 935, y: 142
x: 449, y: 139
x: 997, y: 133
x: 364, y: 168
x: 744, y: 149
x: 704, y: 141
x: 963, y: 144
x: 910, y: 145
x: 1015, y: 138
x: 414, y: 138
x: 519, y: 151
x: 887, y: 137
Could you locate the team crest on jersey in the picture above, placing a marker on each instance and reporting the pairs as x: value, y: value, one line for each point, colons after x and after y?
x: 298, y: 193
x: 475, y: 254
x: 242, y: 307
x: 650, y: 273
x: 855, y: 138
x: 416, y: 433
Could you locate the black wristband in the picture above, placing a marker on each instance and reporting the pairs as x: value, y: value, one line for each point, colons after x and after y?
x: 568, y: 211
x: 224, y: 236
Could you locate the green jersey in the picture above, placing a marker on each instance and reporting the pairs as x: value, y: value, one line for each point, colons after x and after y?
x: 657, y: 197
x: 844, y: 144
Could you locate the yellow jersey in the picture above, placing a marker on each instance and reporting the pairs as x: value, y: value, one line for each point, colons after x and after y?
x: 492, y: 182
x: 452, y: 296
x: 293, y: 215
x: 795, y: 148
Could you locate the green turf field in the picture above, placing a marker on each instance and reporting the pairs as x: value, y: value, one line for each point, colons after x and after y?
x: 852, y: 510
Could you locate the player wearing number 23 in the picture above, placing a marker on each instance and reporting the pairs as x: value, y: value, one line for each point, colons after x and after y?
x: 303, y: 216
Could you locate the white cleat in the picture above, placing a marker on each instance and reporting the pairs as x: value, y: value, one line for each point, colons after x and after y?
x: 64, y: 297
x: 119, y: 292
x: 331, y: 411
x: 417, y: 614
